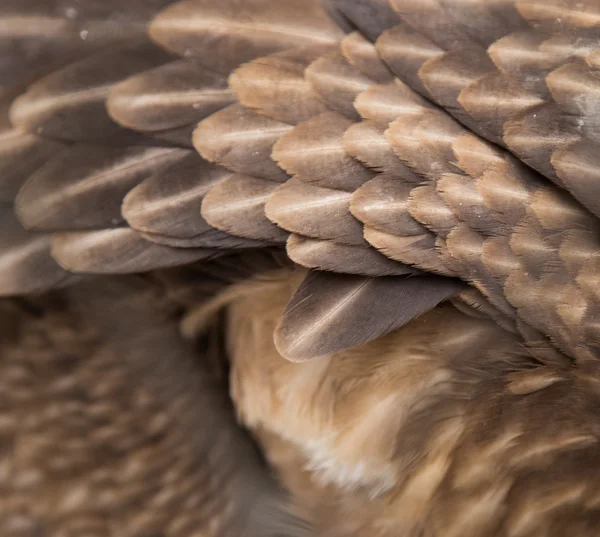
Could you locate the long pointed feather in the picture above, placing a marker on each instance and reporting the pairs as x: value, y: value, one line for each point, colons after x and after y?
x: 70, y: 103
x: 237, y: 206
x: 241, y: 140
x: 330, y: 313
x: 342, y: 258
x: 171, y: 96
x: 118, y: 251
x: 166, y: 207
x: 83, y: 188
x: 236, y: 32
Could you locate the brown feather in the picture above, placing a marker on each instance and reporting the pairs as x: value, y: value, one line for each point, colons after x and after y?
x: 83, y: 188
x: 330, y: 313
x: 25, y: 263
x: 275, y: 85
x: 337, y: 83
x: 118, y: 251
x: 370, y: 17
x: 362, y: 55
x: 241, y: 140
x: 314, y: 211
x: 342, y: 258
x: 238, y: 32
x: 383, y: 204
x: 315, y: 151
x: 55, y: 105
x: 21, y: 153
x: 166, y: 206
x: 171, y: 96
x: 405, y: 50
x: 236, y: 205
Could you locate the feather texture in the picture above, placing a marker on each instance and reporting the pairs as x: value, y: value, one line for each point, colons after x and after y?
x: 83, y: 188
x: 366, y: 308
x: 166, y: 207
x: 342, y: 258
x: 55, y: 105
x: 118, y: 251
x: 171, y: 96
x: 237, y: 32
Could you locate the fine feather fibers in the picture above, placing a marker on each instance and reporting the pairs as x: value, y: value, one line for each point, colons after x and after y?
x: 236, y: 32
x: 170, y: 96
x: 276, y: 87
x: 329, y: 313
x: 56, y: 104
x: 342, y: 258
x: 389, y: 435
x: 83, y: 187
x: 118, y: 251
x: 166, y: 207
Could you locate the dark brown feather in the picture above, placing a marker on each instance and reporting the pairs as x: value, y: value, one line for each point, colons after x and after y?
x: 241, y: 140
x: 237, y: 32
x: 70, y: 103
x: 315, y: 151
x: 166, y: 207
x: 118, y: 251
x: 236, y: 205
x: 171, y: 96
x: 83, y: 188
x: 331, y: 312
x: 342, y: 258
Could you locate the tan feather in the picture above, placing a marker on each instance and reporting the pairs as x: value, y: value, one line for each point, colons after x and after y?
x: 366, y: 142
x: 362, y: 55
x: 415, y: 250
x: 584, y: 14
x: 383, y: 104
x: 383, y: 204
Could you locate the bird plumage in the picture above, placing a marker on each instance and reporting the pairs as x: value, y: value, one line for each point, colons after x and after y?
x: 405, y: 153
